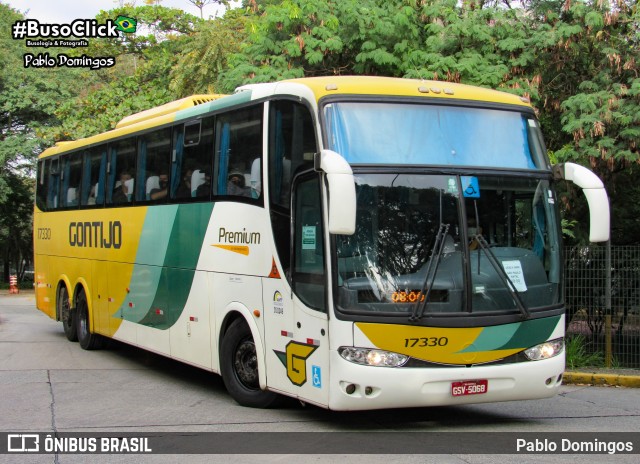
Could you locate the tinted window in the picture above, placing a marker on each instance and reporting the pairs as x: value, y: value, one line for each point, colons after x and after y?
x: 154, y: 152
x: 239, y: 144
x: 70, y: 180
x: 94, y: 177
x: 192, y: 160
x: 121, y: 175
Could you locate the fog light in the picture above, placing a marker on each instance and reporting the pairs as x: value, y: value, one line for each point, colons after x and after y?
x: 350, y: 389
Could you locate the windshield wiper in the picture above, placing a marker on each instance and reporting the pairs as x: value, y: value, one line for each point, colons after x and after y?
x: 504, y: 277
x: 432, y: 267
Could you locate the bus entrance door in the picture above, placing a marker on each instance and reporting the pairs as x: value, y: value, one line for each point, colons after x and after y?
x: 297, y: 351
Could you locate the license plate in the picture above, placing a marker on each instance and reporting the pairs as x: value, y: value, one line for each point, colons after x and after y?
x: 470, y: 387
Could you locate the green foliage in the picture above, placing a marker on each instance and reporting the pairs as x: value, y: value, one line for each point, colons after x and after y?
x: 594, y: 85
x: 578, y: 356
x: 141, y: 78
x: 567, y: 228
x: 28, y: 98
x: 210, y: 44
x: 16, y: 240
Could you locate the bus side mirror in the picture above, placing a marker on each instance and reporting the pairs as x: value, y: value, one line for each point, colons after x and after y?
x: 342, y: 192
x: 596, y: 195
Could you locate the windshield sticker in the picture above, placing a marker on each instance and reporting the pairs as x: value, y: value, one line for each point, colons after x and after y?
x: 514, y: 271
x: 452, y: 187
x: 308, y: 237
x: 551, y: 201
x: 470, y: 187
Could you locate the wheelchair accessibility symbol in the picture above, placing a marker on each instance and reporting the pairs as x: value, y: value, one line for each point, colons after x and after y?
x: 316, y: 374
x: 470, y: 187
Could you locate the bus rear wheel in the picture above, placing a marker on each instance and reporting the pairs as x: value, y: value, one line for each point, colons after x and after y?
x: 66, y: 315
x: 87, y: 339
x: 239, y: 367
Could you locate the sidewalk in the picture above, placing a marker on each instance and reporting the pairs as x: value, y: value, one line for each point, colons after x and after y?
x: 612, y: 377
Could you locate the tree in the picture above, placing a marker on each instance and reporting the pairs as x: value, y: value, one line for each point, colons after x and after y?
x: 200, y: 4
x: 28, y: 98
x: 592, y: 102
x: 139, y: 81
x: 16, y: 225
x: 204, y: 56
x: 576, y: 61
x: 435, y: 39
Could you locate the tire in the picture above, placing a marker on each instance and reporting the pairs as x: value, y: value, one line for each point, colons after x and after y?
x: 67, y: 316
x: 87, y: 340
x: 239, y: 368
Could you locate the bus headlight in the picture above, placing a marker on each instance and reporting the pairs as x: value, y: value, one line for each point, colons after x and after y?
x: 545, y: 350
x: 372, y: 357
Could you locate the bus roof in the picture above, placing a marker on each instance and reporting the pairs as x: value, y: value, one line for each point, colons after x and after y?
x: 157, y: 116
x: 320, y: 87
x: 390, y: 86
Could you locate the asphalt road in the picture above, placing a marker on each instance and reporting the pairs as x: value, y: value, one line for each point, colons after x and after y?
x: 48, y: 384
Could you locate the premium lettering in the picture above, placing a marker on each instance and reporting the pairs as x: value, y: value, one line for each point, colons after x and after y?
x: 243, y: 237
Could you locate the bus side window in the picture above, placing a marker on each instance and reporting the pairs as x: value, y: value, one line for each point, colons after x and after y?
x: 292, y: 143
x: 70, y: 180
x: 239, y: 145
x: 42, y: 184
x: 53, y: 183
x: 94, y: 177
x: 152, y: 178
x: 191, y: 160
x: 121, y: 170
x: 308, y: 267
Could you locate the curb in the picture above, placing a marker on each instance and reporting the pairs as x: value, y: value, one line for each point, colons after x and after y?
x: 593, y: 378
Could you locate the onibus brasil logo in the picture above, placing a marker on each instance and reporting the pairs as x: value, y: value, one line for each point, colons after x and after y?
x: 59, y: 35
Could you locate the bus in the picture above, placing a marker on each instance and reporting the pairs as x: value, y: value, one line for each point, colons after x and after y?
x: 353, y: 242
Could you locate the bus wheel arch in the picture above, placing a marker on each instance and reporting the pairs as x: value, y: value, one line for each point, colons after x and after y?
x: 65, y: 311
x: 88, y: 340
x: 240, y: 363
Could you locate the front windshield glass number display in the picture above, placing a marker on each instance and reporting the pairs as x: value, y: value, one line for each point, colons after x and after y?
x: 428, y: 245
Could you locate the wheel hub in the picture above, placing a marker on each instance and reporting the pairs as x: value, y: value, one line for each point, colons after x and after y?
x: 246, y: 364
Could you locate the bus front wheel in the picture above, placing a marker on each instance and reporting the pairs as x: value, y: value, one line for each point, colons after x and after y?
x: 66, y: 315
x: 239, y: 367
x: 87, y: 339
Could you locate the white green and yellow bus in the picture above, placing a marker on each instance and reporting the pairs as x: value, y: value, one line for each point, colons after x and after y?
x: 354, y: 242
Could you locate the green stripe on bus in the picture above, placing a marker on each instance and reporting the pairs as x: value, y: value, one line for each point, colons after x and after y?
x: 185, y: 245
x: 171, y: 243
x: 225, y: 102
x: 150, y: 256
x: 533, y: 332
x: 513, y: 336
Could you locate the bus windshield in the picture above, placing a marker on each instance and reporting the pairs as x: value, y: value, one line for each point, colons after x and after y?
x: 431, y: 244
x: 418, y: 134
